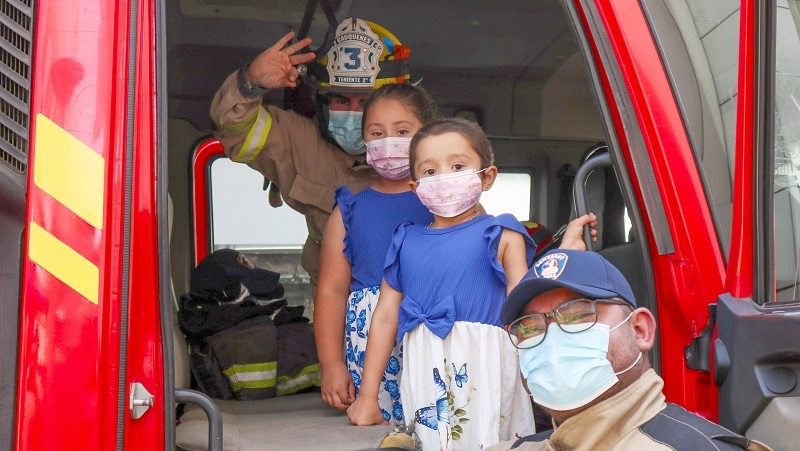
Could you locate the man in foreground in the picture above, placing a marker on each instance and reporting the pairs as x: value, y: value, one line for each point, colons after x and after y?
x: 582, y: 345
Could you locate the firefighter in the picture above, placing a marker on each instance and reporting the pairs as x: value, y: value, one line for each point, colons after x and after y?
x: 306, y: 159
x: 582, y: 344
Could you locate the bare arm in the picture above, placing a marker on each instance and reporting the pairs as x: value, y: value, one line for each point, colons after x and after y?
x: 382, y: 333
x: 511, y: 254
x: 329, y: 315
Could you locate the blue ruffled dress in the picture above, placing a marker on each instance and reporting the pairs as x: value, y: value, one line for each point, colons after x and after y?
x: 369, y: 219
x: 461, y: 385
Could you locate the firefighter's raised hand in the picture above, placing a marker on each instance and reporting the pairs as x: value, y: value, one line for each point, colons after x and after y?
x: 573, y: 236
x: 275, y: 66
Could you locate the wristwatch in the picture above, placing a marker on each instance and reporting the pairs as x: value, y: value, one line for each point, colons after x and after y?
x: 246, y: 87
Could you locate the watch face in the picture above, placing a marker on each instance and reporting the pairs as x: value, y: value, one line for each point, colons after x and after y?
x: 247, y: 88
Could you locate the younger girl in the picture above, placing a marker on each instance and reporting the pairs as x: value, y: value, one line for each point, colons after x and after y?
x: 357, y: 237
x: 443, y: 287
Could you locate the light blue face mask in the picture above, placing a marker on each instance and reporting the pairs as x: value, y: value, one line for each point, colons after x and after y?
x: 567, y: 371
x: 345, y: 126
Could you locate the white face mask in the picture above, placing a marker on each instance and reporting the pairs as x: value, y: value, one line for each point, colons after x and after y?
x: 389, y: 157
x: 567, y: 371
x: 449, y: 195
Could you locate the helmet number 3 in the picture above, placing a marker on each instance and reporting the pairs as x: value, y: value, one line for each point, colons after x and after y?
x: 354, y: 61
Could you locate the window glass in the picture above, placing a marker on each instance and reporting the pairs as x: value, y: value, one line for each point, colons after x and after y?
x: 511, y: 193
x: 699, y: 43
x: 242, y: 216
x: 704, y: 69
x: 272, y: 238
x: 716, y: 25
x: 787, y: 151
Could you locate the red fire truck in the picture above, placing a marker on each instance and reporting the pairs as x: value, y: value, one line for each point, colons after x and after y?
x: 676, y: 121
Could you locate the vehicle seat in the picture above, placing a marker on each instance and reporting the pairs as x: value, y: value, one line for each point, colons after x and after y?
x: 183, y: 376
x: 299, y: 421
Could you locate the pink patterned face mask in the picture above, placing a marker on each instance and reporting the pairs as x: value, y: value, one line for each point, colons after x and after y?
x: 449, y: 195
x: 389, y: 157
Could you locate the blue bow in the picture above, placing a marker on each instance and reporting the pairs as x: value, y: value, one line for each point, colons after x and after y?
x: 439, y: 317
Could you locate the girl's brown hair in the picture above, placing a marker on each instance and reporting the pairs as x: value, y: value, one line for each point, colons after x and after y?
x: 413, y: 97
x: 470, y: 131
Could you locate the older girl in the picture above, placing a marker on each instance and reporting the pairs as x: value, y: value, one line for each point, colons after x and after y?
x: 357, y: 237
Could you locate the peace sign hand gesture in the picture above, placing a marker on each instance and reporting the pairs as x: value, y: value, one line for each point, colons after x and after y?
x: 275, y: 66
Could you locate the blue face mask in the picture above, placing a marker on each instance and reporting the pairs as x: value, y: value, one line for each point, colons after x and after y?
x: 567, y: 371
x: 345, y: 126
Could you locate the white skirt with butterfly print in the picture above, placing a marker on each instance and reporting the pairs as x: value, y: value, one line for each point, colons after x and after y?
x: 463, y: 392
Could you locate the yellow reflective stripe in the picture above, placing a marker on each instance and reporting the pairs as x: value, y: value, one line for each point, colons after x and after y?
x: 258, y: 383
x: 315, y: 235
x: 252, y: 375
x: 256, y: 137
x: 69, y: 170
x: 309, y: 376
x: 240, y: 127
x: 263, y: 140
x: 63, y: 262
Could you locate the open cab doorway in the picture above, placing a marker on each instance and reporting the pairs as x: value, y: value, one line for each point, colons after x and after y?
x: 685, y: 110
x: 654, y: 86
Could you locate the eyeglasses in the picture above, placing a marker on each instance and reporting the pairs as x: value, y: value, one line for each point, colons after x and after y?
x: 572, y: 317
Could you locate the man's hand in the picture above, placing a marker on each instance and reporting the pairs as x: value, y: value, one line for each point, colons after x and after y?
x: 275, y: 66
x: 365, y: 412
x: 337, y: 387
x: 573, y: 236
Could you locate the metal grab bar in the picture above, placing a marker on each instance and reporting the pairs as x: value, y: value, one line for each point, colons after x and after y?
x: 579, y: 191
x: 212, y: 412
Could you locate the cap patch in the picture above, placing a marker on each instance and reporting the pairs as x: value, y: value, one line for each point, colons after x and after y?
x: 551, y: 266
x: 244, y: 261
x: 353, y: 58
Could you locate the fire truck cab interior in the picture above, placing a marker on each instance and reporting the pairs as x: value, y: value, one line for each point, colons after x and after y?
x: 631, y: 109
x: 522, y: 76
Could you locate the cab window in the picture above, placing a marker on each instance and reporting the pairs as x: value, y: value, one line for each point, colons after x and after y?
x: 786, y: 184
x: 241, y: 218
x: 511, y: 193
x: 272, y: 238
x: 703, y: 68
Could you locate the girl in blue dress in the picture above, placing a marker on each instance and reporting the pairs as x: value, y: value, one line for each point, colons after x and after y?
x: 357, y: 237
x: 444, y: 283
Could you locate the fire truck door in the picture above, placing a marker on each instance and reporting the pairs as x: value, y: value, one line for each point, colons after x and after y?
x: 756, y: 355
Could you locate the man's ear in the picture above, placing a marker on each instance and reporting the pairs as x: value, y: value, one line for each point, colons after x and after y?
x: 644, y: 325
x: 489, y: 176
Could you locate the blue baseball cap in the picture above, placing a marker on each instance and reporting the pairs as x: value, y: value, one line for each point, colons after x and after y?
x: 584, y: 272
